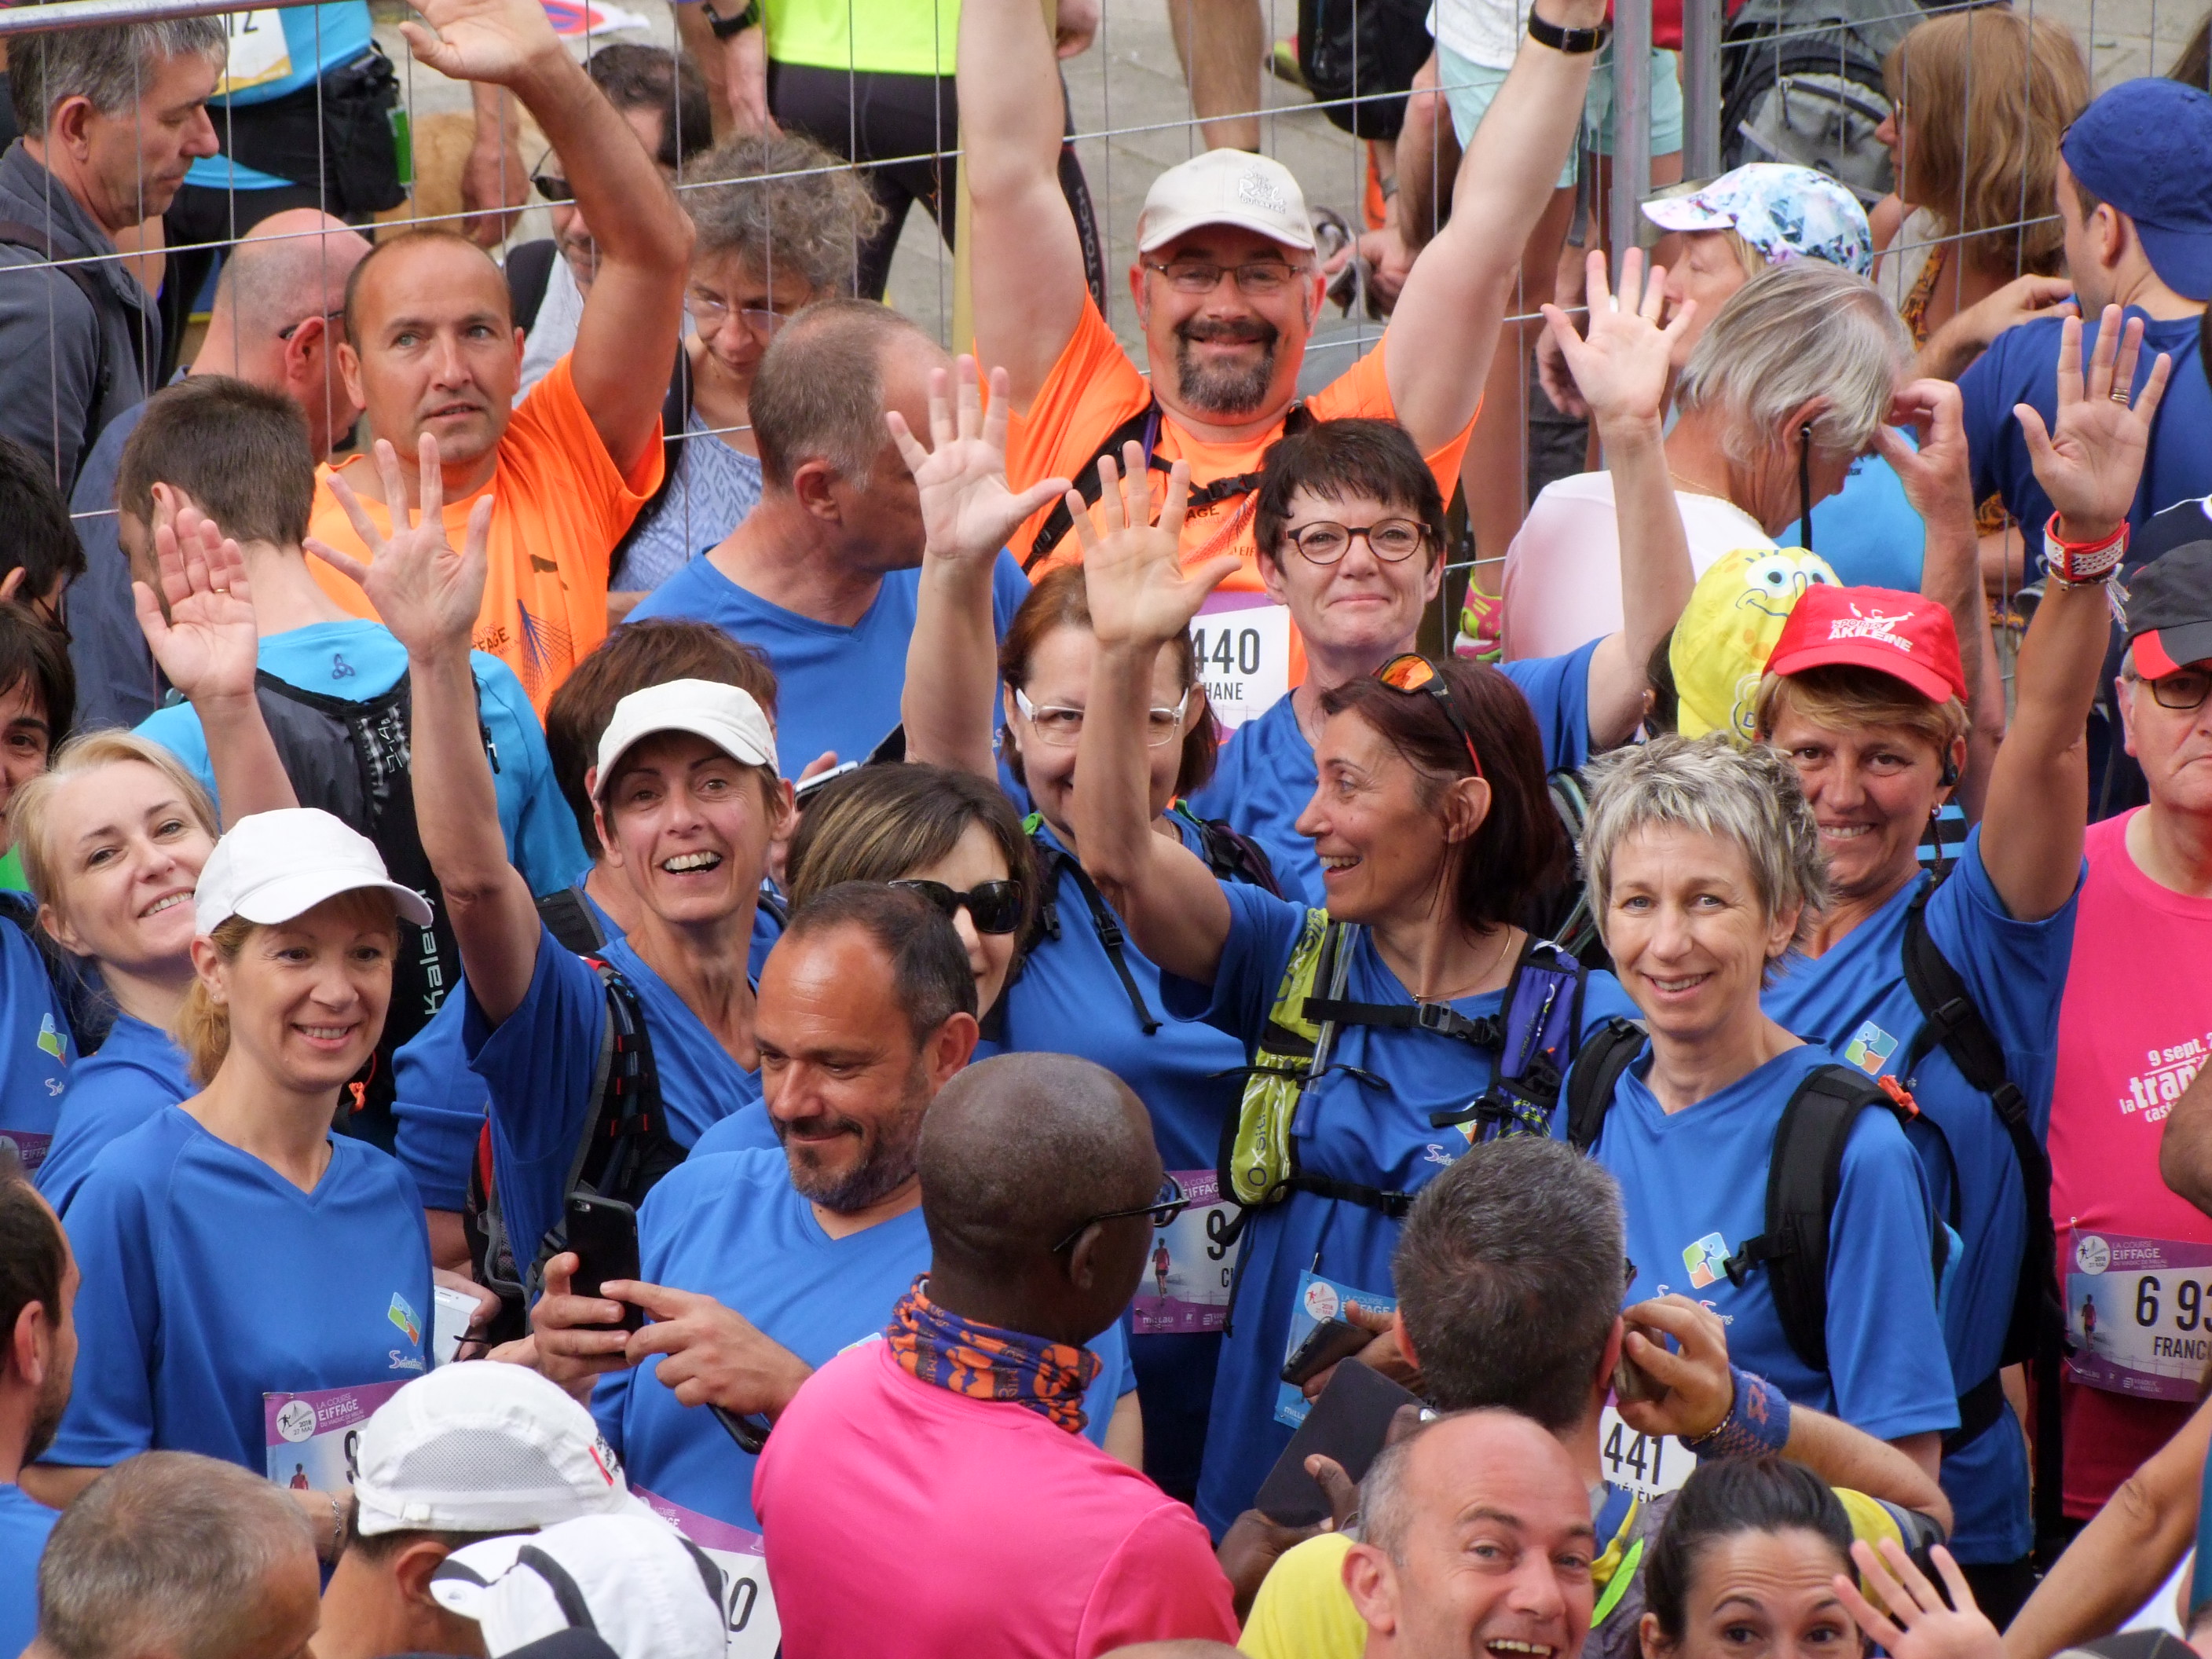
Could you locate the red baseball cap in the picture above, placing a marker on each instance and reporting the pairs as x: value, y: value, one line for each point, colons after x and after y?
x: 1901, y: 635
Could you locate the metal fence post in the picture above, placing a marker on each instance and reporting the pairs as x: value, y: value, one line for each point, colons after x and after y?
x: 1701, y: 88
x: 1631, y: 120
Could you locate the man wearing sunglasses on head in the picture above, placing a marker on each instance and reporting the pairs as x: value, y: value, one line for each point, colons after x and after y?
x: 2131, y: 1026
x: 760, y: 1264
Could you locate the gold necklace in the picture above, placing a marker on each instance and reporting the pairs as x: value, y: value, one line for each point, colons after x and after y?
x: 1504, y: 944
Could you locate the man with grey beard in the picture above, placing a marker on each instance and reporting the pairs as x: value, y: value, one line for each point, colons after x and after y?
x: 762, y: 1265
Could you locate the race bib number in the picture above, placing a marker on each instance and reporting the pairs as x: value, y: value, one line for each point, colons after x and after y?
x: 1650, y: 1463
x: 312, y: 1438
x: 1318, y: 1301
x: 257, y: 52
x: 30, y: 1148
x: 756, y: 1632
x: 1243, y: 644
x: 1188, y: 1279
x: 2140, y: 1313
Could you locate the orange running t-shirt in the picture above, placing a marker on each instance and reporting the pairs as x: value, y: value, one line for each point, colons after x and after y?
x: 1094, y: 387
x: 561, y: 506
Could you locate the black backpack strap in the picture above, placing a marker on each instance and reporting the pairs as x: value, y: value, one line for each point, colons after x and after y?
x: 1229, y: 853
x: 625, y: 1148
x: 1804, y: 1175
x: 1142, y: 427
x: 570, y: 920
x: 1606, y: 1053
x: 675, y: 418
x: 529, y: 271
x: 1057, y: 863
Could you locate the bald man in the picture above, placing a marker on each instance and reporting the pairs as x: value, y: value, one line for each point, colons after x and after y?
x: 1476, y: 1531
x: 432, y: 353
x: 1041, y: 1187
x: 278, y: 310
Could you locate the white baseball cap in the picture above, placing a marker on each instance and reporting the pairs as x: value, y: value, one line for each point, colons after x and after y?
x: 726, y: 716
x: 643, y: 1588
x: 482, y: 1446
x: 275, y: 865
x: 1226, y: 187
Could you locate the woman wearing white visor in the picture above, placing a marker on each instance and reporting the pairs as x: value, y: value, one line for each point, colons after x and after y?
x: 689, y: 801
x: 234, y: 1249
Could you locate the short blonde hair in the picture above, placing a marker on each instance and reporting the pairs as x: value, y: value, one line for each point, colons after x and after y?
x: 1748, y: 797
x: 32, y: 811
x: 1841, y: 696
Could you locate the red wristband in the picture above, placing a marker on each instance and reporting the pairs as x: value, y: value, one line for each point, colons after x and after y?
x: 2082, y: 564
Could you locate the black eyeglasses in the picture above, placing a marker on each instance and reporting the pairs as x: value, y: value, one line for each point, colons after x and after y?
x: 1391, y: 540
x: 2183, y: 689
x: 552, y: 187
x: 328, y: 317
x: 995, y: 906
x: 1165, y: 1208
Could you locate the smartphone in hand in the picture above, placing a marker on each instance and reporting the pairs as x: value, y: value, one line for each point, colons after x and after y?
x: 1331, y: 1340
x: 603, y: 1232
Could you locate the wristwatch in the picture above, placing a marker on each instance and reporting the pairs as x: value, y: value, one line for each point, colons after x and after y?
x: 1573, y: 41
x: 724, y: 28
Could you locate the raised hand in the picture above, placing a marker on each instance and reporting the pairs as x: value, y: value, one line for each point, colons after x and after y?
x: 2091, y: 463
x: 206, y: 643
x: 1622, y: 367
x: 1133, y: 572
x: 966, y: 510
x: 425, y: 593
x: 1918, y: 1626
x: 1936, y: 476
x: 490, y: 41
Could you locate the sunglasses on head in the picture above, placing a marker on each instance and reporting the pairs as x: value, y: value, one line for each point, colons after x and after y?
x: 1170, y: 1202
x: 995, y: 906
x: 1414, y: 675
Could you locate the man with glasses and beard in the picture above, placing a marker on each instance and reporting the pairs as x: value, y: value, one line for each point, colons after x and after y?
x: 1228, y: 289
x: 761, y: 1266
x: 37, y: 1349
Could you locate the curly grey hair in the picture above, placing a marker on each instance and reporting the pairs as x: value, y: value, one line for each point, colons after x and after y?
x: 785, y: 203
x: 1750, y: 797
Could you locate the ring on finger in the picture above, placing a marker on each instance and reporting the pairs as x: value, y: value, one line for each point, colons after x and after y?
x: 2122, y: 396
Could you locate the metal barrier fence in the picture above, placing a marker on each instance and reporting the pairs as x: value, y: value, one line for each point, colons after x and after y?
x: 1131, y: 115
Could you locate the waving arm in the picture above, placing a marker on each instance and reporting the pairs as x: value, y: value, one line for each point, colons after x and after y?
x: 1140, y: 599
x: 951, y: 692
x: 428, y: 595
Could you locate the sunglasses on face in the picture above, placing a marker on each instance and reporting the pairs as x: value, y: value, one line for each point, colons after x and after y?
x: 995, y: 906
x: 552, y: 187
x: 1416, y: 676
x: 1171, y: 1202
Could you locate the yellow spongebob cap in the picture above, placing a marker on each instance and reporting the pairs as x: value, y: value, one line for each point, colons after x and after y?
x: 1727, y: 631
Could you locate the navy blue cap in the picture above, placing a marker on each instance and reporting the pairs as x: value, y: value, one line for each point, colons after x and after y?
x: 2142, y: 146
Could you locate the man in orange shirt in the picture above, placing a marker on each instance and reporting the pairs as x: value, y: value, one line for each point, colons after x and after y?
x: 1227, y: 288
x: 431, y: 347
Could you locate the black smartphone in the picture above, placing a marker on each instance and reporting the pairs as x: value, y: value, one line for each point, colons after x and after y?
x: 603, y: 1232
x: 1630, y: 1381
x: 1325, y: 1344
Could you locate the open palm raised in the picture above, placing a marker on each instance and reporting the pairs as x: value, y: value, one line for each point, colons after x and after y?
x: 1132, y: 571
x: 425, y: 593
x: 967, y: 510
x: 1621, y: 368
x: 2092, y: 462
x: 490, y: 40
x: 201, y: 631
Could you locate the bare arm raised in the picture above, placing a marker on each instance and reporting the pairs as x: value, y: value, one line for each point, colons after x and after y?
x: 967, y: 514
x: 628, y: 330
x: 1140, y: 599
x: 1445, y: 326
x: 1026, y: 277
x: 429, y: 596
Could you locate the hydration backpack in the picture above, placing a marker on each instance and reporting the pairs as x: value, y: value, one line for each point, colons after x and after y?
x: 1533, y: 1037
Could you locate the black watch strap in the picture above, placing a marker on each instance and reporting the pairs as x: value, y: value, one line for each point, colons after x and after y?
x: 1552, y: 35
x: 724, y: 28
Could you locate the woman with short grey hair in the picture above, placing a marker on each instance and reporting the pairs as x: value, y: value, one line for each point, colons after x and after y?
x: 1706, y: 873
x: 780, y: 221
